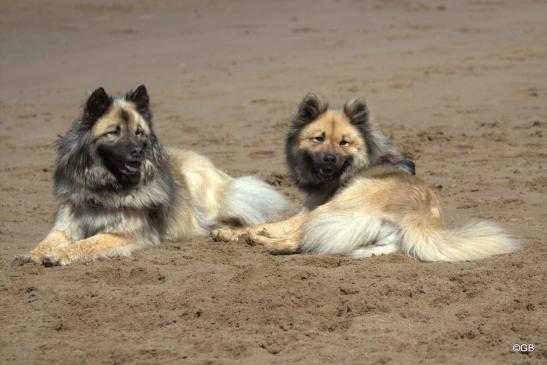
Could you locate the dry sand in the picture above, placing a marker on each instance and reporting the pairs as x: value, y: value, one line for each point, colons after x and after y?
x: 461, y: 87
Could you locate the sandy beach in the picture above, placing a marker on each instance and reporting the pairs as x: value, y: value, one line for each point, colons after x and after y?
x: 459, y: 87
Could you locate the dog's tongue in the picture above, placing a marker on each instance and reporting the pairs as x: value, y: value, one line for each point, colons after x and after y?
x: 132, y: 166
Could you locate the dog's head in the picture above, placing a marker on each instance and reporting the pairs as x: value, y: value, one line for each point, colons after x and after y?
x: 119, y: 129
x: 324, y: 146
x: 112, y: 146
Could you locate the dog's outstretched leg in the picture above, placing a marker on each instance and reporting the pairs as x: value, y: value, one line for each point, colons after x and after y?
x: 272, y: 230
x: 55, y: 240
x: 89, y: 249
x: 277, y: 246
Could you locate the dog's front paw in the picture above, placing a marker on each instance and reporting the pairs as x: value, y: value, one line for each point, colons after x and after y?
x: 56, y: 259
x: 23, y: 259
x: 224, y: 235
x: 260, y: 237
x: 255, y: 238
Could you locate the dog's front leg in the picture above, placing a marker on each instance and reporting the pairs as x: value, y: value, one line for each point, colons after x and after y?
x: 89, y: 249
x: 271, y: 230
x: 288, y: 243
x: 278, y: 246
x: 56, y: 239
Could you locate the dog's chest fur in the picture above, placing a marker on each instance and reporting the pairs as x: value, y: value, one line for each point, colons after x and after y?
x: 84, y: 221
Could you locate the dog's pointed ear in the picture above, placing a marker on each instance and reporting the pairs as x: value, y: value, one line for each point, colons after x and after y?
x: 310, y: 108
x: 96, y: 105
x: 140, y: 97
x: 357, y: 111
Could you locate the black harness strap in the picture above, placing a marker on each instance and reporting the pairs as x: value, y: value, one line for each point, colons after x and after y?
x: 407, y: 165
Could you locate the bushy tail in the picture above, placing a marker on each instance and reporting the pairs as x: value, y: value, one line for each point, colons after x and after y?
x: 337, y: 233
x: 252, y: 201
x: 471, y: 242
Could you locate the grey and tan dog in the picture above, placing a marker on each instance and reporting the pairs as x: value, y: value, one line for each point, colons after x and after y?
x: 360, y: 201
x: 120, y: 190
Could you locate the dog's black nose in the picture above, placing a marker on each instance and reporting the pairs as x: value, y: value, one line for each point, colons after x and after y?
x: 136, y: 152
x: 329, y: 158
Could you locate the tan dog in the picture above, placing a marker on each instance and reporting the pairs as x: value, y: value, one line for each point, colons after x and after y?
x: 120, y: 190
x: 370, y: 206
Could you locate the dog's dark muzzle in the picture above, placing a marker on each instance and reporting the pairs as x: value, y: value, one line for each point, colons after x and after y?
x: 329, y: 166
x: 126, y: 158
x: 131, y: 167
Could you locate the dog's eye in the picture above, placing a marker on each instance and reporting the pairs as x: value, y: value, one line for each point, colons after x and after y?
x: 114, y: 132
x: 344, y: 143
x: 319, y: 139
x: 139, y: 132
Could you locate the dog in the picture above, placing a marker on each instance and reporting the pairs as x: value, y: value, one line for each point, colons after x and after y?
x: 120, y: 190
x: 362, y: 200
x: 324, y: 149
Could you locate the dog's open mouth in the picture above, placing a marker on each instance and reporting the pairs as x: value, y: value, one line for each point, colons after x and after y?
x: 131, y: 167
x: 326, y: 173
